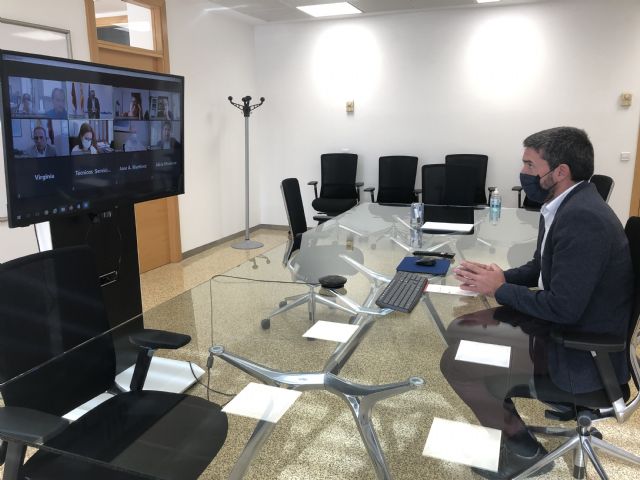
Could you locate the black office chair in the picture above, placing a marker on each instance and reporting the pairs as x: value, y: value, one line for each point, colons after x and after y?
x: 51, y: 303
x: 306, y: 267
x: 614, y: 401
x: 604, y: 184
x: 295, y: 214
x: 339, y: 190
x: 444, y: 184
x: 479, y: 164
x: 396, y: 179
x: 525, y: 202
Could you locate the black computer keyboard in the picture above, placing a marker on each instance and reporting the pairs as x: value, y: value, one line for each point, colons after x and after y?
x: 403, y: 292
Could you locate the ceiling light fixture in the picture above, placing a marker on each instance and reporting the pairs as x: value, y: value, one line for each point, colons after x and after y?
x: 486, y: 1
x: 329, y: 9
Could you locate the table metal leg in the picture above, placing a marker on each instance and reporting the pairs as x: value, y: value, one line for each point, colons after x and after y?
x: 360, y: 398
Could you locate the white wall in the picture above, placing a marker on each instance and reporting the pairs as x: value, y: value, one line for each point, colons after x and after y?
x: 65, y: 14
x: 215, y: 53
x: 447, y: 81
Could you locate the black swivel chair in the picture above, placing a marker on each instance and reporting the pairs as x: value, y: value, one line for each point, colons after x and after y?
x: 444, y: 184
x: 604, y: 184
x: 525, y: 202
x: 339, y: 190
x: 479, y: 164
x: 396, y: 180
x: 51, y: 303
x: 305, y: 267
x: 614, y: 401
x: 294, y: 207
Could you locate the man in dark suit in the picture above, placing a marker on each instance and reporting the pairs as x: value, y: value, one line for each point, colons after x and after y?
x: 93, y: 105
x: 581, y: 268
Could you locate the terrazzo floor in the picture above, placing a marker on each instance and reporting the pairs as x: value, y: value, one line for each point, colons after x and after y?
x: 317, y: 438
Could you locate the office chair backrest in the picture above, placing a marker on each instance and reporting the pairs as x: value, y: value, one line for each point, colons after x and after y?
x: 479, y: 165
x: 604, y: 185
x: 433, y: 178
x: 338, y: 171
x: 448, y: 184
x: 632, y: 230
x: 293, y: 205
x: 460, y: 185
x: 50, y: 303
x: 397, y: 179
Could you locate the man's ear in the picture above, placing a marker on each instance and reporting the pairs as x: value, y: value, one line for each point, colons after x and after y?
x: 564, y: 170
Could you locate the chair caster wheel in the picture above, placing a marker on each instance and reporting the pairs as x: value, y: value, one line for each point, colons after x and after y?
x: 596, y: 433
x: 282, y: 303
x: 352, y: 319
x: 265, y: 323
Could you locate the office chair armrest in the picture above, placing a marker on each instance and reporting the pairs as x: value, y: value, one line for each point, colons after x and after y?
x: 418, y: 193
x: 155, y: 339
x: 31, y: 426
x: 370, y: 190
x: 590, y: 342
x: 323, y: 217
x: 358, y: 185
x: 148, y: 342
x: 315, y: 187
x: 518, y: 188
x: 600, y: 346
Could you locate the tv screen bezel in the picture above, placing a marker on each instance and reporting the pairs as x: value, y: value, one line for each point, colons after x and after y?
x: 127, y: 197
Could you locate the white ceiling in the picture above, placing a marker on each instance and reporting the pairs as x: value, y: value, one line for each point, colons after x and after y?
x: 286, y: 11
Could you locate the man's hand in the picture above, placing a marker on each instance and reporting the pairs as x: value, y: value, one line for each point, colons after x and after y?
x: 480, y: 278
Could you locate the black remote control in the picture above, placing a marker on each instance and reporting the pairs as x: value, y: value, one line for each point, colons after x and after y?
x: 425, y: 253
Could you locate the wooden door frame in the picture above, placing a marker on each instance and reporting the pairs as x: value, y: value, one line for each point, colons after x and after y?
x: 161, y: 54
x: 634, y: 207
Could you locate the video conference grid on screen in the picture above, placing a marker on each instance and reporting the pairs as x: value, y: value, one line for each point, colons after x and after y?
x: 81, y: 133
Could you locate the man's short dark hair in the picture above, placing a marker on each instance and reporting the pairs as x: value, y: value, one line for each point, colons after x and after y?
x: 567, y: 145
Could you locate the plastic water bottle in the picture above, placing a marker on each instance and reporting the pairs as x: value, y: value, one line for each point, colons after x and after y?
x: 495, y: 205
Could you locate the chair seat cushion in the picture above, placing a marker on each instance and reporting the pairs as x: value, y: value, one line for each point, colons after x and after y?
x: 332, y: 281
x: 333, y: 205
x: 137, y: 430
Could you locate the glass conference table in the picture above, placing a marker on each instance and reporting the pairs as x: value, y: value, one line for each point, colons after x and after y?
x: 369, y: 403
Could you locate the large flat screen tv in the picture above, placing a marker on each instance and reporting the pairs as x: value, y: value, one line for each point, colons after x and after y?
x: 83, y: 137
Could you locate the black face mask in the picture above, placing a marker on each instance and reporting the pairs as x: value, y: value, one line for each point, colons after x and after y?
x: 533, y: 189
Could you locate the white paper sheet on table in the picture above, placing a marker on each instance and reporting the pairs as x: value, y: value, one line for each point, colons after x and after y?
x: 332, y: 331
x: 448, y: 227
x: 450, y: 289
x: 458, y: 442
x: 262, y: 402
x: 484, y: 353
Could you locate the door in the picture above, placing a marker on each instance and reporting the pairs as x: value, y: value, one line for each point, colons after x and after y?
x: 133, y: 34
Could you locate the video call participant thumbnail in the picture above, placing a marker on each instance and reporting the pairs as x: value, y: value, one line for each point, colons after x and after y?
x: 167, y: 141
x: 58, y: 98
x: 85, y: 141
x: 24, y: 107
x: 40, y: 146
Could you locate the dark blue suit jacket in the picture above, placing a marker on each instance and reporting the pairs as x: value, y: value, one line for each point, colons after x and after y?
x: 588, y: 284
